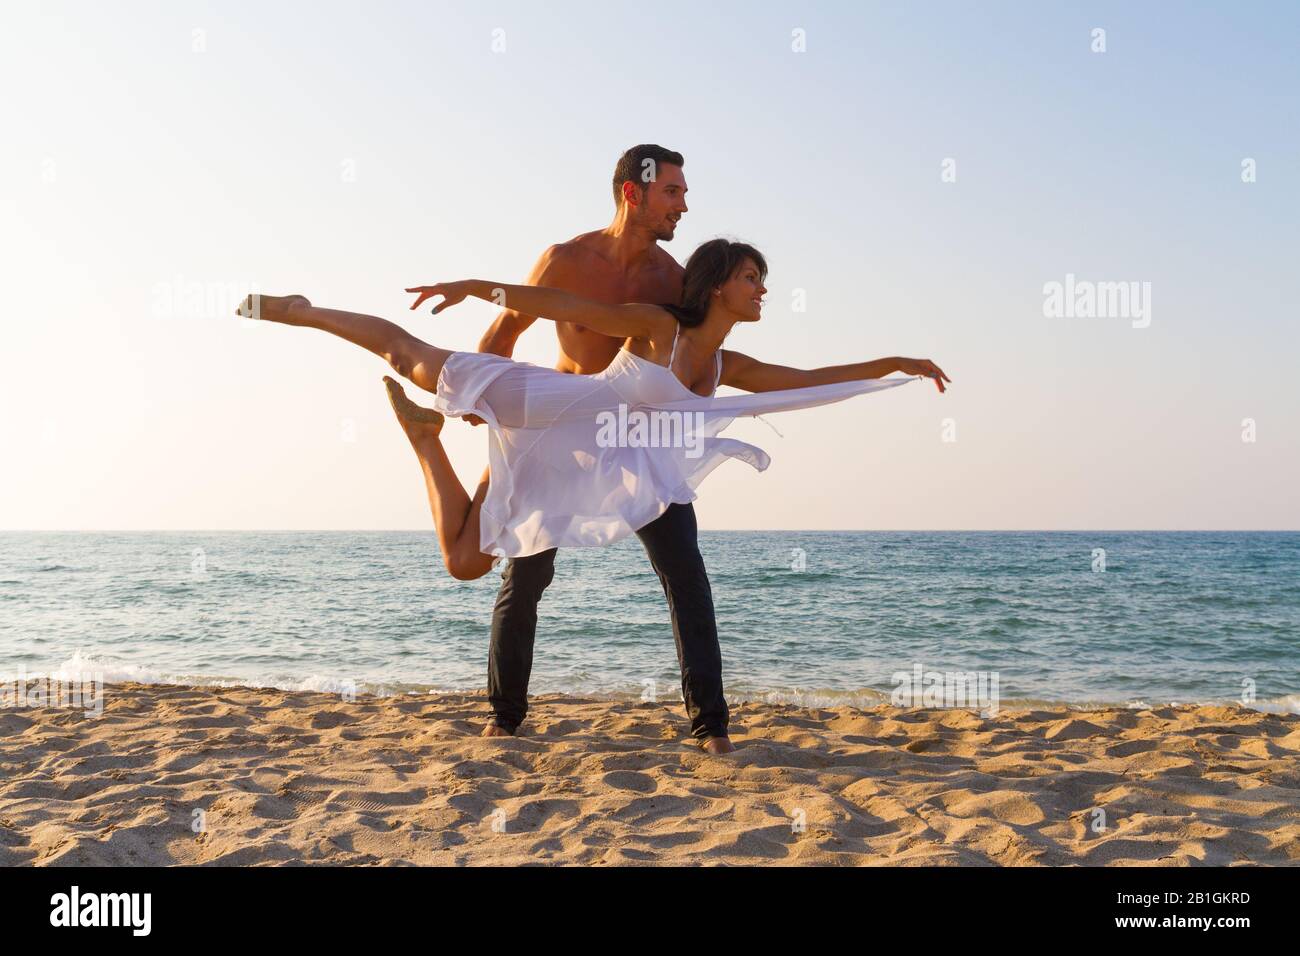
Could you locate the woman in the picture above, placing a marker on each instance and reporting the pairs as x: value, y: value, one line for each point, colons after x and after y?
x: 584, y: 460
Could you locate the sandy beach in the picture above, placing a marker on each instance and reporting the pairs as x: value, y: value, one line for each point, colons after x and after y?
x: 179, y: 775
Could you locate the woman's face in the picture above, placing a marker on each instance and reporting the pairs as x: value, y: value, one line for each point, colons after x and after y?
x: 742, y: 294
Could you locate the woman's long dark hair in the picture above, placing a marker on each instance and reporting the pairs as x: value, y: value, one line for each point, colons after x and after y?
x: 709, y: 266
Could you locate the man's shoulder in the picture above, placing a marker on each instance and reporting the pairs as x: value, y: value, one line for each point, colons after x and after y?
x: 560, y: 261
x: 593, y: 245
x: 584, y: 258
x: 668, y: 263
x: 583, y: 245
x: 580, y: 250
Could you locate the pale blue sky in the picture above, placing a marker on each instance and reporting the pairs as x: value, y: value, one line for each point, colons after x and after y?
x: 348, y: 150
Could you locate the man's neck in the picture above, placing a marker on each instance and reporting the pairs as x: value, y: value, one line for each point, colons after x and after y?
x: 627, y: 244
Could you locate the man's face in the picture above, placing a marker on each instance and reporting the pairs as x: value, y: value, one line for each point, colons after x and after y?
x: 663, y: 201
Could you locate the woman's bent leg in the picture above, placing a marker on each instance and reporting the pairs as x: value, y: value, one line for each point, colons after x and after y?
x: 409, y: 357
x: 455, y: 514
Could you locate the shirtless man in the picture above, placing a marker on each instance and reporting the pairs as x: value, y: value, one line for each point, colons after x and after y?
x: 620, y: 263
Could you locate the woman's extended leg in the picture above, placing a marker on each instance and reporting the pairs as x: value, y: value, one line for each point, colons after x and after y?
x: 410, y: 357
x: 455, y: 514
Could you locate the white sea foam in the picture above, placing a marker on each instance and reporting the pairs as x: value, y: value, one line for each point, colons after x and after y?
x: 83, y: 666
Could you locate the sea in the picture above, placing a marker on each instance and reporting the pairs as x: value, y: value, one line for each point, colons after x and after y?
x: 810, y: 618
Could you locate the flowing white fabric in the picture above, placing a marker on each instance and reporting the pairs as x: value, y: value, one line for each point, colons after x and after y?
x: 586, y: 460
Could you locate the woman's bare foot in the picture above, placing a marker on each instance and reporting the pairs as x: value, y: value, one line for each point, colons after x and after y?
x: 492, y: 730
x: 273, y: 308
x: 418, y: 423
x: 717, y: 745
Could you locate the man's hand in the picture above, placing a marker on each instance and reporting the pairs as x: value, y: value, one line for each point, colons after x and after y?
x: 924, y: 367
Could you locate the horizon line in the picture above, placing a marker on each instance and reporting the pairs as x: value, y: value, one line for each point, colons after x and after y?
x: 703, y: 530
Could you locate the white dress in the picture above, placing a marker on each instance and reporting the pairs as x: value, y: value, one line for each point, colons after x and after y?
x: 586, y: 460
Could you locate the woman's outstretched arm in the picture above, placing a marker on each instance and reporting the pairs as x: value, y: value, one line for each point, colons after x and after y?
x: 751, y: 375
x: 621, y: 321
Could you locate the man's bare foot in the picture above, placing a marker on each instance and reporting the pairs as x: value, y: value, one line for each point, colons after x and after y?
x: 273, y: 308
x: 717, y: 745
x: 418, y: 423
x: 492, y: 730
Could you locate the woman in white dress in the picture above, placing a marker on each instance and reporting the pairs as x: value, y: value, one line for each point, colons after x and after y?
x: 586, y: 460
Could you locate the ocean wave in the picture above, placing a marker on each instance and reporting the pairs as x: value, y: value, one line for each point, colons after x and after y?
x: 81, y: 668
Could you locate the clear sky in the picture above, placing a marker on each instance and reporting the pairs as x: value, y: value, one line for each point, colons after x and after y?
x: 161, y: 158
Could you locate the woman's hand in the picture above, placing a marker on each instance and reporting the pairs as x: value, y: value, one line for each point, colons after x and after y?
x: 451, y: 292
x: 924, y: 367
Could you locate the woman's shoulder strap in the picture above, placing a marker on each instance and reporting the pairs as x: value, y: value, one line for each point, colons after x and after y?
x: 676, y: 311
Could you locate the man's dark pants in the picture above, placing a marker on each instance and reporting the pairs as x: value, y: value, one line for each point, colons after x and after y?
x: 671, y: 541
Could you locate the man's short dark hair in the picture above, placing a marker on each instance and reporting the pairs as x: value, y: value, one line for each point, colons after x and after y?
x: 633, y: 168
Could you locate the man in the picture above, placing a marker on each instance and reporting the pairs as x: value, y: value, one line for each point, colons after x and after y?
x: 620, y: 263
